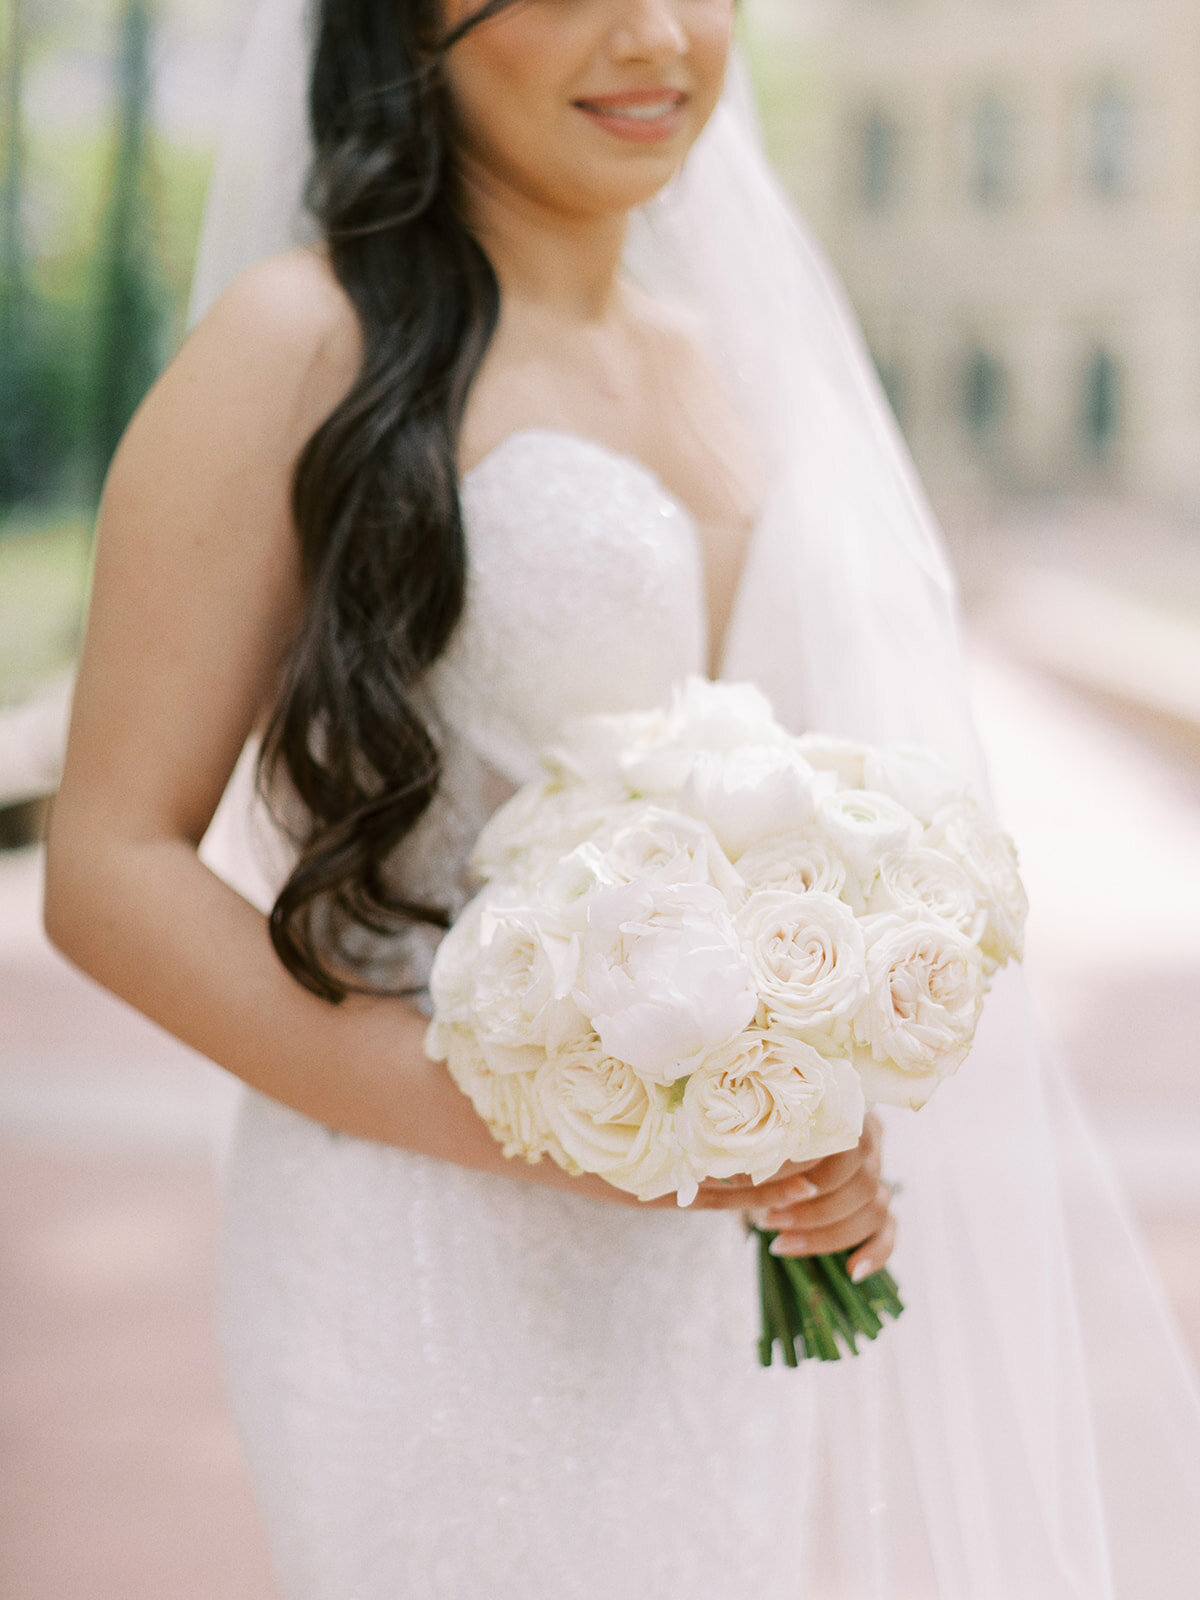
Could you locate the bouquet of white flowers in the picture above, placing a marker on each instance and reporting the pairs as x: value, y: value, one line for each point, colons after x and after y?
x: 704, y: 945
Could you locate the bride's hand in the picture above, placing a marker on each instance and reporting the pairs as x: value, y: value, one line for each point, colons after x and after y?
x: 820, y: 1207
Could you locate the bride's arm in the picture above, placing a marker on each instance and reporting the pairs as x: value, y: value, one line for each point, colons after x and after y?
x: 196, y: 594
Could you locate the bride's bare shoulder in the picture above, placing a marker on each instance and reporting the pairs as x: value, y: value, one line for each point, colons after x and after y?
x: 284, y: 331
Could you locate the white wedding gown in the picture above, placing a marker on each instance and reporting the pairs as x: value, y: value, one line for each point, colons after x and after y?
x: 454, y: 1386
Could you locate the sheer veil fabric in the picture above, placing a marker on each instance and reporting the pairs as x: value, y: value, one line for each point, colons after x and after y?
x: 1029, y: 1430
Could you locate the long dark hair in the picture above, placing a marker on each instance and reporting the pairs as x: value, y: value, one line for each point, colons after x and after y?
x: 375, y: 491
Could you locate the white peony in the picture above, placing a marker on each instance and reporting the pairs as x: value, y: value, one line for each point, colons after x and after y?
x: 764, y: 1099
x: 933, y: 879
x: 926, y: 992
x: 592, y: 750
x: 750, y: 793
x: 610, y: 1121
x: 703, y: 719
x: 863, y: 825
x: 721, y: 716
x: 808, y: 961
x: 920, y: 781
x: 662, y: 978
x: 843, y: 757
x: 989, y: 859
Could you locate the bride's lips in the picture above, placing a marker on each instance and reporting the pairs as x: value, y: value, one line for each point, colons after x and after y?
x: 642, y: 116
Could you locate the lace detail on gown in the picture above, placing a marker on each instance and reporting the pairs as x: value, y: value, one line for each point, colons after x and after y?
x: 450, y: 1384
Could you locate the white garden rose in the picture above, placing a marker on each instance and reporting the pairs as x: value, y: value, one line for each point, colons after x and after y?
x: 933, y: 879
x: 662, y: 978
x: 919, y: 780
x: 519, y: 987
x: 800, y: 860
x: 648, y: 841
x: 750, y: 793
x: 989, y: 859
x: 843, y: 757
x: 764, y: 1099
x: 610, y: 1121
x: 863, y: 825
x: 540, y: 823
x: 808, y: 962
x: 453, y: 964
x: 926, y: 987
x: 508, y: 1102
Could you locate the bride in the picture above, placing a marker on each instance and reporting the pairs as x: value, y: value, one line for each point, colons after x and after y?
x: 545, y: 403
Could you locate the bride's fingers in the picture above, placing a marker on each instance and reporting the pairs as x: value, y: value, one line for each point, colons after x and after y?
x: 825, y: 1209
x: 860, y: 1228
x: 874, y: 1254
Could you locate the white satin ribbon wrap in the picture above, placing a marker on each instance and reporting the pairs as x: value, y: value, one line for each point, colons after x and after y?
x: 1029, y: 1430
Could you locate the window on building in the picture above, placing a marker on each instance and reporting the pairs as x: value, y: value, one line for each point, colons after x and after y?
x: 1100, y: 404
x: 1108, y: 134
x: 985, y: 397
x: 992, y: 150
x: 879, y: 165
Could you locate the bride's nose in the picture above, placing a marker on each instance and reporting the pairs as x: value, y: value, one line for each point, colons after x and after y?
x: 648, y: 30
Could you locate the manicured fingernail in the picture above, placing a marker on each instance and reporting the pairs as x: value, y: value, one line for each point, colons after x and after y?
x: 794, y: 1243
x: 860, y: 1270
x: 804, y: 1190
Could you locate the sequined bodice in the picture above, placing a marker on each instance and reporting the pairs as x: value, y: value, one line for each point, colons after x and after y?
x: 585, y: 593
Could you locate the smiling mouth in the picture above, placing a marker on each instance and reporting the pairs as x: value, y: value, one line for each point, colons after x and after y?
x: 646, y: 116
x: 635, y: 110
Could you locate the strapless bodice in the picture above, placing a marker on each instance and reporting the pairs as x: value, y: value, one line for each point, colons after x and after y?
x: 585, y: 593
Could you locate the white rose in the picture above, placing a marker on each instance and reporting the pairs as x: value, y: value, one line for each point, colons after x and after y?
x: 800, y: 860
x: 843, y: 757
x: 539, y: 823
x: 648, y: 841
x: 663, y: 979
x: 920, y: 780
x: 926, y: 992
x: 808, y: 962
x: 763, y: 1099
x: 519, y: 987
x: 863, y: 825
x: 930, y: 878
x: 609, y: 1121
x: 989, y: 859
x: 453, y: 963
x: 508, y: 1102
x: 751, y: 793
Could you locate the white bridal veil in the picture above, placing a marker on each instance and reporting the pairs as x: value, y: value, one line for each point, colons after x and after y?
x: 1029, y: 1429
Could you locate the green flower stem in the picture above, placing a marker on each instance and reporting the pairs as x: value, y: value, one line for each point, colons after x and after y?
x: 811, y: 1296
x: 809, y: 1301
x: 776, y: 1327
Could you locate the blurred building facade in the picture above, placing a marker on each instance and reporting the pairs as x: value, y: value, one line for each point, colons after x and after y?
x: 1011, y: 192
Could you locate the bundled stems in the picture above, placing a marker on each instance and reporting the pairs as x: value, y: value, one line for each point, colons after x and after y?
x: 810, y: 1302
